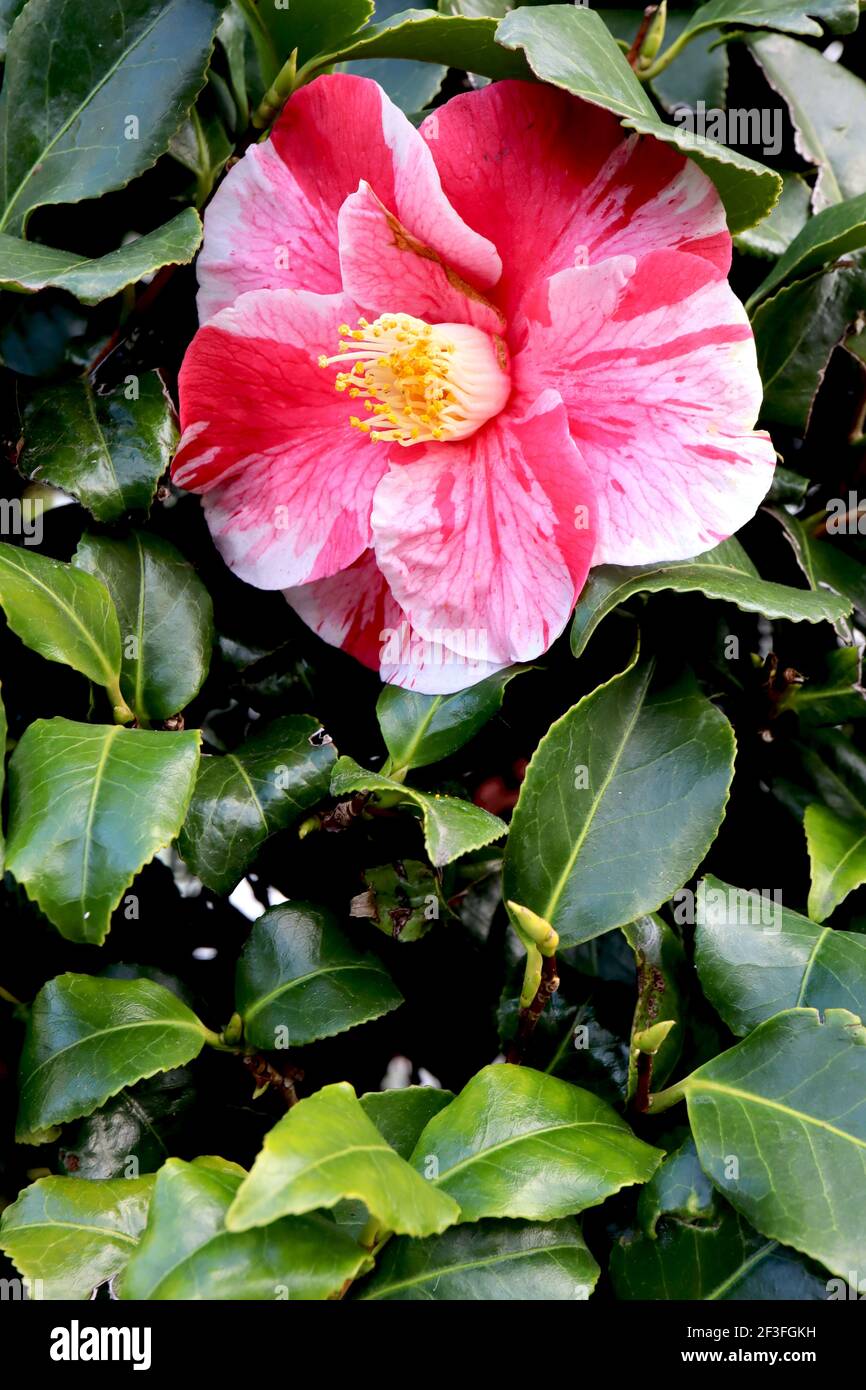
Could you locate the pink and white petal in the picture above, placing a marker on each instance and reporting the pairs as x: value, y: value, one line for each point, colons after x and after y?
x: 273, y: 221
x: 555, y: 181
x: 388, y: 270
x: 656, y: 365
x: 486, y: 542
x: 356, y: 610
x: 287, y: 482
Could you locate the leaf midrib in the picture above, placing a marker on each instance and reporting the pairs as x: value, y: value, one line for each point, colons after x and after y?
x: 303, y: 979
x: 105, y: 1032
x: 65, y: 608
x: 764, y: 1101
x: 121, y: 59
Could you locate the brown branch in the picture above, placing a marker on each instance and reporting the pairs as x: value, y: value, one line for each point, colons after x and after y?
x: 649, y: 15
x: 528, y: 1018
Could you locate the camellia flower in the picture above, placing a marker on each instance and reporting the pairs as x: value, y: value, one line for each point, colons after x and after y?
x: 442, y: 371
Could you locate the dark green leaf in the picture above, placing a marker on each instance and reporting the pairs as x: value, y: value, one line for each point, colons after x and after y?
x: 816, y: 91
x: 165, y: 615
x: 755, y: 959
x: 825, y: 565
x: 186, y: 1252
x: 300, y: 979
x: 122, y: 75
x: 29, y: 266
x: 428, y: 37
x: 132, y: 1132
x: 831, y: 697
x: 89, y: 806
x: 411, y: 86
x: 312, y: 27
x: 423, y: 729
x: 693, y: 1246
x: 725, y: 573
x: 788, y: 15
x: 570, y: 46
x: 824, y: 239
x: 795, y: 334
x: 451, y: 827
x: 518, y: 1143
x: 68, y: 1235
x: 489, y: 1261
x: 400, y: 1116
x: 108, y: 451
x: 779, y: 228
x: 241, y: 798
x: 87, y: 1038
x: 326, y: 1149
x: 621, y: 801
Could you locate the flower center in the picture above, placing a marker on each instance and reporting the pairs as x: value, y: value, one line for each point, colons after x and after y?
x: 421, y: 381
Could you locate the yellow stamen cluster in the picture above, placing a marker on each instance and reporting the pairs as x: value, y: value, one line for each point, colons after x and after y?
x: 418, y: 381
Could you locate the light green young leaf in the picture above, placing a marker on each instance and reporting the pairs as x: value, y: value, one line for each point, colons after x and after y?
x: 519, y: 1143
x: 67, y: 1236
x: 326, y: 1149
x: 186, y: 1253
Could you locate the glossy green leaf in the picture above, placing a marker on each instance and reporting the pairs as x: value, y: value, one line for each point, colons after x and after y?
x: 831, y: 696
x: 87, y: 1038
x: 816, y: 91
x: 203, y: 146
x: 788, y: 1104
x: 165, y: 615
x: 90, y: 805
x: 428, y: 37
x: 779, y: 228
x: 326, y: 1149
x: 69, y: 1235
x: 660, y: 961
x: 139, y: 1126
x: 451, y: 827
x: 725, y: 573
x: 621, y: 801
x: 570, y: 47
x: 787, y: 15
x: 9, y: 12
x: 242, y: 797
x: 70, y: 134
x: 299, y: 978
x: 489, y: 1261
x: 411, y: 86
x: 29, y: 266
x: 518, y: 1143
x: 186, y: 1252
x: 837, y: 853
x: 825, y: 565
x: 796, y: 332
x: 755, y: 959
x: 825, y: 238
x: 692, y: 1245
x: 423, y: 729
x: 312, y: 27
x: 400, y: 1116
x: 108, y: 451
x: 60, y: 613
